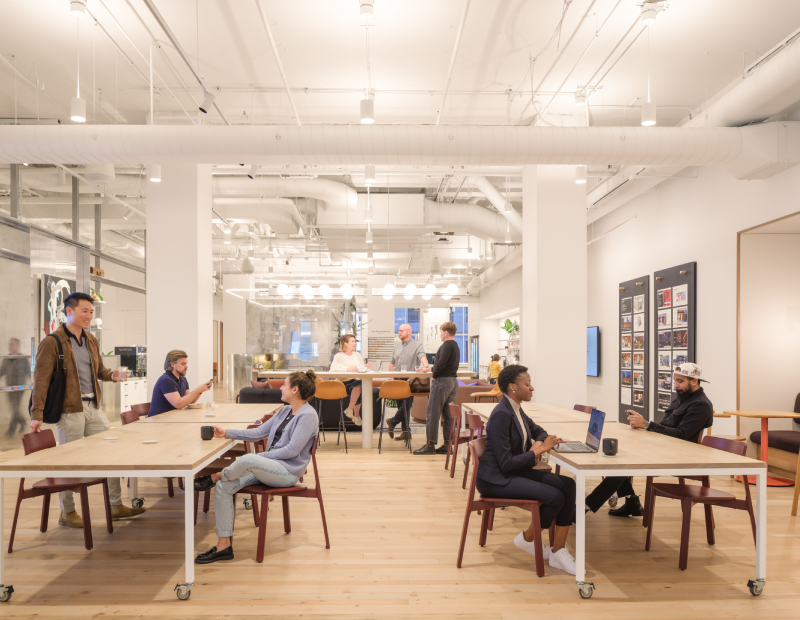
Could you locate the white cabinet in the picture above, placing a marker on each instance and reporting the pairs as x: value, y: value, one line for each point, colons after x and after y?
x: 131, y: 392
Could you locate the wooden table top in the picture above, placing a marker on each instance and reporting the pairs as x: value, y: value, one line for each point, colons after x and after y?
x: 179, y: 448
x: 640, y: 449
x: 384, y: 374
x: 756, y: 413
x: 221, y: 415
x: 541, y: 413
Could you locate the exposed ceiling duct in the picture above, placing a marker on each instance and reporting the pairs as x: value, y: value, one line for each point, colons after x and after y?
x: 499, y: 269
x: 337, y: 195
x: 468, y: 218
x: 483, y: 185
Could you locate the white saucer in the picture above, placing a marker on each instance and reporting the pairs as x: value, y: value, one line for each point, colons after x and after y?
x: 110, y: 438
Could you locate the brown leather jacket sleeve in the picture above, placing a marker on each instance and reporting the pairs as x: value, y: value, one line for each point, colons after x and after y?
x: 46, y: 361
x: 103, y: 373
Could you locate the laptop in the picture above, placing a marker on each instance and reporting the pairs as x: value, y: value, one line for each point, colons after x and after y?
x: 593, y: 435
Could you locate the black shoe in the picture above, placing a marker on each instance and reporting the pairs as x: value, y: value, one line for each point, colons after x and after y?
x: 426, y: 449
x: 631, y: 508
x: 390, y: 425
x: 441, y: 449
x: 401, y: 436
x: 212, y: 555
x: 203, y: 483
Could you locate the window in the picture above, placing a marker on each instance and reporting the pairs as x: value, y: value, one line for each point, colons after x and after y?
x: 410, y: 316
x: 304, y: 344
x: 458, y: 315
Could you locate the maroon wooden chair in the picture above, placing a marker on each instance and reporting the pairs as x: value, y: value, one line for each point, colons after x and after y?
x: 129, y: 417
x: 584, y: 408
x: 298, y: 490
x: 489, y: 504
x: 689, y: 495
x: 34, y: 442
x: 458, y: 436
x: 141, y: 409
x: 476, y: 426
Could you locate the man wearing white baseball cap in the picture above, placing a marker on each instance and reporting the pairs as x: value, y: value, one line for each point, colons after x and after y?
x: 685, y: 418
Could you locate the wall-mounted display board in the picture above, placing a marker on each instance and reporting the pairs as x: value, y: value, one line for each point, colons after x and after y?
x: 675, y: 319
x: 634, y: 345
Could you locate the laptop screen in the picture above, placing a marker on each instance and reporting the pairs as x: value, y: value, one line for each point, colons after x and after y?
x: 595, y: 429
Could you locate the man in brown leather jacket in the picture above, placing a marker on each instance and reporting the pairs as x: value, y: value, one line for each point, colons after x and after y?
x: 80, y: 415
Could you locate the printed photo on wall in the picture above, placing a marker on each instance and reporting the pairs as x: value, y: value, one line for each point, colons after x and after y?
x: 638, y: 322
x: 665, y: 381
x: 638, y: 379
x: 638, y: 398
x: 663, y: 361
x: 626, y: 342
x: 626, y: 305
x: 664, y: 319
x: 626, y: 378
x: 664, y: 298
x: 626, y: 360
x: 663, y: 401
x: 680, y: 317
x: 627, y: 323
x: 638, y: 343
x: 638, y: 360
x: 625, y: 396
x: 665, y: 340
x: 679, y: 357
x: 680, y: 339
x: 680, y: 295
x: 638, y: 303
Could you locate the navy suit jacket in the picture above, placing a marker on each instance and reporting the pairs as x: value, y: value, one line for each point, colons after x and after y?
x: 505, y: 455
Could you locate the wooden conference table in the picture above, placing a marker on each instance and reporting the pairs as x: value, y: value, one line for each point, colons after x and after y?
x: 650, y: 454
x: 220, y: 415
x: 541, y: 413
x: 366, y: 383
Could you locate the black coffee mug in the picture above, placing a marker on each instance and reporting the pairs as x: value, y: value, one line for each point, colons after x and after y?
x: 206, y: 432
x: 610, y: 447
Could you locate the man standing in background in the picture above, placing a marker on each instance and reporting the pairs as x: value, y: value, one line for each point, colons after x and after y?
x: 409, y: 353
x: 17, y: 370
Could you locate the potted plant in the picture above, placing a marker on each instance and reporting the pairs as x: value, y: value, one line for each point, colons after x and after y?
x: 511, y: 327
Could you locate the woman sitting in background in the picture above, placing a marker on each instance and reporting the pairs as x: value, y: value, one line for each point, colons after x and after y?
x: 292, y: 432
x: 494, y: 369
x: 514, y: 444
x: 348, y: 360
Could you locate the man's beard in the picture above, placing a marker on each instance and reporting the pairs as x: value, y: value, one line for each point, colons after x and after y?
x: 181, y: 373
x: 683, y: 394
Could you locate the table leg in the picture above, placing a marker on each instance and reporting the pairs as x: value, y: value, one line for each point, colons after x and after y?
x: 366, y: 413
x: 757, y: 585
x: 772, y: 481
x: 184, y: 590
x: 580, y: 537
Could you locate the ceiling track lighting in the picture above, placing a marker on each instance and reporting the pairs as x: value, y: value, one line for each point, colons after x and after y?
x: 580, y: 174
x: 154, y: 173
x: 208, y: 101
x: 369, y: 175
x: 253, y: 171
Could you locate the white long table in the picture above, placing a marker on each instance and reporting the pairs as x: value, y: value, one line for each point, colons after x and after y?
x: 366, y: 379
x: 642, y: 453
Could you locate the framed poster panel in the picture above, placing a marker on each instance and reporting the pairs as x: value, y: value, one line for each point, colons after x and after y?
x: 634, y: 344
x: 675, y: 319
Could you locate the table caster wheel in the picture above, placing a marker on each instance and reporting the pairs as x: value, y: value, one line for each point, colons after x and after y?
x: 138, y: 502
x: 5, y: 593
x: 248, y: 504
x: 612, y: 501
x: 586, y: 590
x: 183, y: 590
x: 756, y: 587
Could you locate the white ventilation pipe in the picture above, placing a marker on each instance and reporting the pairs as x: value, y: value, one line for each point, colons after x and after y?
x: 336, y: 194
x: 498, y: 201
x: 468, y: 218
x: 497, y: 270
x: 472, y: 145
x: 279, y: 213
x: 46, y: 180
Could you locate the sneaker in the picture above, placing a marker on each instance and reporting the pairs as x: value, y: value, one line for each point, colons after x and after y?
x: 426, y: 449
x: 530, y: 547
x: 631, y: 508
x: 357, y: 420
x: 70, y: 519
x: 390, y: 425
x: 563, y: 560
x: 348, y: 413
x: 119, y: 512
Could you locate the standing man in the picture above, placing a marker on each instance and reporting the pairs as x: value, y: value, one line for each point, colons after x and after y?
x: 172, y: 388
x: 443, y: 390
x: 17, y: 370
x: 80, y: 415
x: 409, y: 353
x: 685, y: 418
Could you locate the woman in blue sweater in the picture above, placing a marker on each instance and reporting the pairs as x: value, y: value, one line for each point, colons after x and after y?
x: 291, y: 434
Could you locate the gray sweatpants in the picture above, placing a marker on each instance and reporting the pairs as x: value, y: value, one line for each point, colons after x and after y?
x: 443, y: 392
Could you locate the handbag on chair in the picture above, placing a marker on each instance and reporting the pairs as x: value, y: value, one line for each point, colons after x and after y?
x: 420, y: 386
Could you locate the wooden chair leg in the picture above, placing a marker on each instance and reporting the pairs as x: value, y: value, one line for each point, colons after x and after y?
x: 558, y: 469
x: 484, y: 526
x: 686, y: 507
x: 709, y: 524
x: 16, y: 515
x: 45, y: 512
x: 650, y: 499
x: 537, y: 540
x: 170, y: 488
x: 287, y: 520
x: 262, y: 531
x: 180, y: 484
x: 383, y: 422
x: 464, y: 529
x: 87, y: 523
x: 796, y: 495
x: 450, y: 449
x: 647, y: 498
x: 344, y: 428
x: 466, y: 471
x: 254, y: 499
x: 491, y: 519
x: 107, y: 506
x: 324, y: 522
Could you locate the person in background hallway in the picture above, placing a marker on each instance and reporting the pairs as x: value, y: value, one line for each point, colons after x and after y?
x: 409, y: 353
x: 348, y: 360
x: 685, y: 418
x: 514, y: 444
x: 17, y: 371
x: 80, y: 414
x: 443, y: 390
x: 494, y: 369
x: 172, y: 388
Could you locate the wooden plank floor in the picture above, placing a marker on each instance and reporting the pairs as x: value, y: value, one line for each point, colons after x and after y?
x: 394, y: 522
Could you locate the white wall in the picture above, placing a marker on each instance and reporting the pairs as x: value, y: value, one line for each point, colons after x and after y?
x: 123, y: 313
x: 234, y: 312
x: 770, y: 326
x: 502, y: 296
x: 683, y: 220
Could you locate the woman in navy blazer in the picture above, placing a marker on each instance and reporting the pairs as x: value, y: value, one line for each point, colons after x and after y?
x: 514, y: 444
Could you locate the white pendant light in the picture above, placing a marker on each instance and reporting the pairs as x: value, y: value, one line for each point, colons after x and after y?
x: 580, y: 98
x: 509, y: 208
x: 208, y: 101
x: 368, y: 109
x: 648, y: 106
x: 77, y: 7
x: 154, y: 173
x: 429, y: 290
x: 648, y: 15
x: 128, y: 214
x: 436, y: 266
x: 226, y: 236
x: 306, y: 291
x: 388, y: 290
x: 368, y: 210
x: 410, y: 291
x: 369, y: 254
x: 325, y: 291
x: 452, y: 289
x: 447, y: 297
x: 508, y: 232
x: 369, y: 235
x: 580, y: 174
x: 77, y: 106
x: 248, y: 264
x: 369, y: 174
x: 77, y: 110
x: 283, y: 289
x: 253, y: 171
x: 346, y: 290
x: 289, y: 293
x: 62, y: 177
x: 367, y: 11
x: 371, y: 270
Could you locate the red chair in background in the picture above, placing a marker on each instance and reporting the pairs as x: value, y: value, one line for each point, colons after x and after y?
x: 457, y: 437
x: 141, y: 409
x: 34, y: 442
x: 476, y: 426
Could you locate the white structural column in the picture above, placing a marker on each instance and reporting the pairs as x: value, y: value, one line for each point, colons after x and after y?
x: 234, y: 312
x: 554, y: 287
x: 179, y: 287
x: 381, y: 325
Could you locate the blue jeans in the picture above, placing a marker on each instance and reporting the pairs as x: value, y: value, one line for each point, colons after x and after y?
x: 246, y: 470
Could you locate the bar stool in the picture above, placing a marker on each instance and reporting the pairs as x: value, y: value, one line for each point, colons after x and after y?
x: 334, y: 390
x: 395, y: 390
x: 494, y: 394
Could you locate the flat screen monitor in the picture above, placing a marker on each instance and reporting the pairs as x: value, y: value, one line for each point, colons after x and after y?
x: 593, y: 351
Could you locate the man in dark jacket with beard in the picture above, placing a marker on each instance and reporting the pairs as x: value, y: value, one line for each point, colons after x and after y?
x: 685, y: 418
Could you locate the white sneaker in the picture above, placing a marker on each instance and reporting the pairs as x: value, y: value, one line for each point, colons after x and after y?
x: 563, y: 560
x: 356, y: 420
x: 348, y: 413
x: 530, y: 547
